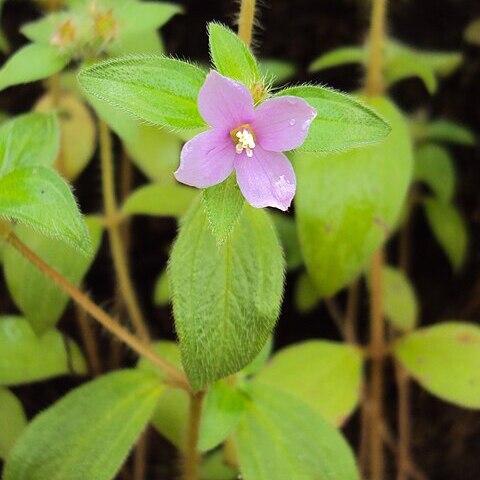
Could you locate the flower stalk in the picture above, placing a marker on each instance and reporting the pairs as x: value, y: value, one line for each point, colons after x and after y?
x: 245, y: 20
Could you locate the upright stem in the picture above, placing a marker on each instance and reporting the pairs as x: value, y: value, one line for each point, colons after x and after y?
x: 245, y: 21
x: 177, y: 378
x: 377, y: 35
x: 376, y: 382
x: 404, y: 427
x: 192, y: 456
x: 117, y: 248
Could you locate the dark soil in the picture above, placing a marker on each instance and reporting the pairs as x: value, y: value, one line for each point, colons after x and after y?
x: 446, y: 439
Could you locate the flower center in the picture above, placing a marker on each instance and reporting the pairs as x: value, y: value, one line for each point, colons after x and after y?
x: 244, y: 139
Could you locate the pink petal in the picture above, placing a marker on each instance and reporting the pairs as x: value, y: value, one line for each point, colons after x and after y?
x: 224, y: 103
x: 282, y: 123
x: 267, y: 179
x: 206, y: 159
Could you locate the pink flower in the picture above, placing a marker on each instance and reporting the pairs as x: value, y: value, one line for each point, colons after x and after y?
x: 246, y: 139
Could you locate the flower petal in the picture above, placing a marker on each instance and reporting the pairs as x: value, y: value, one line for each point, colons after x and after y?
x: 282, y: 123
x: 224, y: 103
x: 267, y: 179
x: 206, y: 159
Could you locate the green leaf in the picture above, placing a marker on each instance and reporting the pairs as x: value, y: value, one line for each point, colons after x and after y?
x: 31, y: 63
x: 42, y: 31
x: 39, y: 198
x: 223, y: 409
x: 276, y: 71
x: 214, y: 467
x: 434, y: 166
x: 400, y: 301
x: 223, y: 206
x: 287, y: 231
x: 27, y: 141
x: 326, y: 375
x: 259, y: 361
x: 41, y: 301
x: 12, y: 421
x: 445, y: 359
x: 449, y: 229
x: 27, y: 357
x: 161, y: 291
x: 445, y: 131
x: 89, y: 432
x: 282, y: 438
x: 160, y: 200
x: 230, y: 56
x: 342, y: 122
x: 472, y: 32
x: 338, y: 57
x: 347, y: 204
x: 226, y: 298
x: 306, y: 296
x: 159, y: 90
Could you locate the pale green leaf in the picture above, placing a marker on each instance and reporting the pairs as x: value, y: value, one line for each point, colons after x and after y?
x: 287, y: 231
x: 12, y: 421
x: 339, y: 56
x: 28, y: 358
x: 230, y: 56
x: 39, y: 198
x: 226, y: 298
x: 472, y: 32
x: 449, y: 229
x: 43, y: 30
x: 445, y: 131
x: 161, y: 291
x: 276, y: 71
x: 259, y: 361
x: 306, y: 296
x: 214, y: 467
x: 159, y: 90
x: 326, y: 375
x: 40, y: 300
x: 223, y: 205
x: 282, y: 438
x: 89, y: 432
x: 342, y: 122
x: 445, y: 360
x: 31, y: 63
x: 347, y: 204
x: 406, y: 66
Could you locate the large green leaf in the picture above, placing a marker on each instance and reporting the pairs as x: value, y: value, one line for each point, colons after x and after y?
x: 40, y: 199
x: 159, y: 90
x: 12, y: 421
x: 32, y: 63
x: 27, y: 357
x: 326, y: 375
x: 445, y: 360
x: 41, y: 301
x: 89, y: 432
x: 226, y: 298
x: 348, y: 203
x: 230, y: 56
x: 342, y: 122
x: 27, y: 141
x: 282, y: 438
x: 449, y: 229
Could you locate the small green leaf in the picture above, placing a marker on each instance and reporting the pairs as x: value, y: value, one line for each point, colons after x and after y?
x: 279, y: 437
x: 449, y: 229
x: 306, y: 296
x: 159, y: 90
x: 326, y: 375
x: 347, y: 204
x: 230, y: 56
x: 223, y: 205
x: 31, y: 63
x: 89, y: 432
x: 27, y: 357
x: 214, y: 467
x: 342, y: 122
x: 41, y: 301
x: 400, y: 301
x: 472, y: 32
x: 160, y: 200
x: 434, y: 166
x: 445, y: 360
x: 338, y: 57
x: 12, y: 421
x: 276, y: 71
x: 259, y: 361
x: 445, y: 131
x: 287, y: 231
x: 226, y: 298
x: 27, y: 141
x: 223, y: 409
x: 161, y: 291
x: 39, y: 198
x: 42, y: 30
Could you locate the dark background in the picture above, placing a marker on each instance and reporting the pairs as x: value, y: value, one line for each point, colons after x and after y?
x: 446, y: 439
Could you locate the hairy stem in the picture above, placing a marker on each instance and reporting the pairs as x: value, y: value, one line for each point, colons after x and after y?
x: 377, y: 35
x: 176, y: 377
x: 245, y: 20
x: 192, y: 455
x: 114, y: 232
